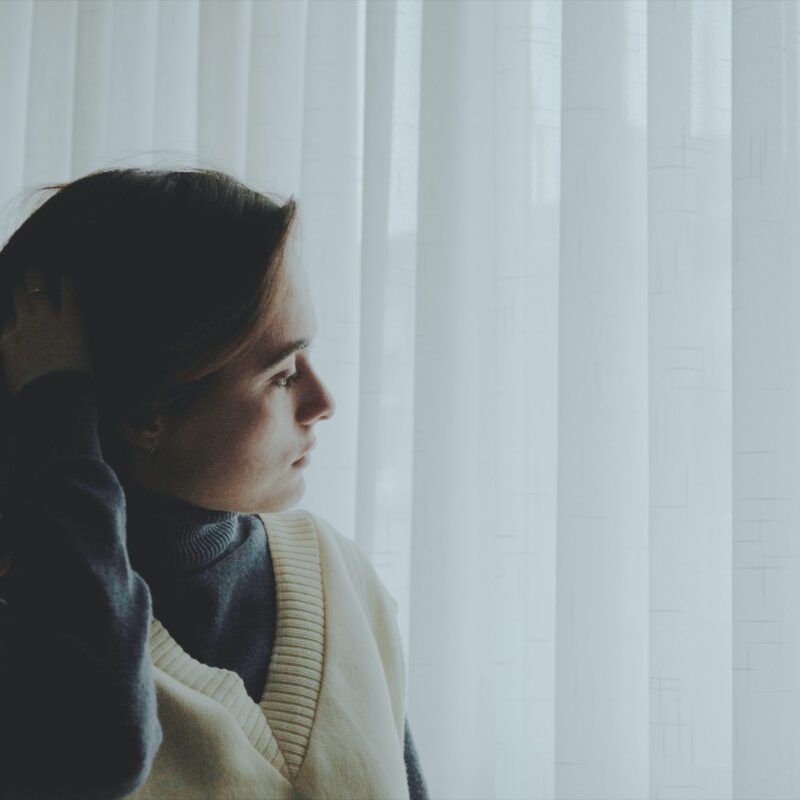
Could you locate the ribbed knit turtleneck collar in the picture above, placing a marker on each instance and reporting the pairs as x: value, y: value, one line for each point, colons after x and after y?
x: 166, y: 534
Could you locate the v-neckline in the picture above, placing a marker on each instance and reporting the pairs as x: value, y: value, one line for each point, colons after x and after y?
x: 279, y: 725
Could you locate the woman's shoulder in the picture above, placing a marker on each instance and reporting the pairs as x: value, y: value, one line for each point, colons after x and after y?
x: 351, y: 555
x: 300, y: 520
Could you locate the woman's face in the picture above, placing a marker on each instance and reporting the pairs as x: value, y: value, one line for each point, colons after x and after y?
x: 236, y: 451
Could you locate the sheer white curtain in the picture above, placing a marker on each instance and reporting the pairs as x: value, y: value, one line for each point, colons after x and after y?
x: 554, y: 257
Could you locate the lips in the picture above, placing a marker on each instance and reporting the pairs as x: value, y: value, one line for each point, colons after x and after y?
x: 305, y: 452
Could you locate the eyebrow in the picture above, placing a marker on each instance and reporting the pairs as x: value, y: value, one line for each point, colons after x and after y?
x: 286, y: 351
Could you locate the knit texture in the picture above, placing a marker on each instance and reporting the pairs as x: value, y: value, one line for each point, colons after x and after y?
x: 87, y: 607
x: 331, y: 720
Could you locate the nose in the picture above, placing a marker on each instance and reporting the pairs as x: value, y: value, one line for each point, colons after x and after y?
x: 329, y: 404
x: 319, y: 402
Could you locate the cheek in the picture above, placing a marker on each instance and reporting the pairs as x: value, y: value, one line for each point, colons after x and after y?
x: 252, y: 432
x: 228, y: 431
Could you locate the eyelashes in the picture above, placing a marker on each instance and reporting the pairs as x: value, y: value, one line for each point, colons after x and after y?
x: 285, y: 383
x: 295, y: 377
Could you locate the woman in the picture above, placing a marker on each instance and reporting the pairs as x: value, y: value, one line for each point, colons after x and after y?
x: 168, y: 629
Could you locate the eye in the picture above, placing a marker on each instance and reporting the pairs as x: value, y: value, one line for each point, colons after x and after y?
x: 290, y: 380
x: 285, y: 383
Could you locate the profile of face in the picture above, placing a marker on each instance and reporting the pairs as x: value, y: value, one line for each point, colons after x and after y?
x: 237, y: 450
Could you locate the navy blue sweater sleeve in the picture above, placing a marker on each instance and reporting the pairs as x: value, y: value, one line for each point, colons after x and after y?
x: 77, y: 696
x: 416, y: 782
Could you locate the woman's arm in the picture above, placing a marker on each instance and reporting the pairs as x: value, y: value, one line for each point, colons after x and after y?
x: 77, y: 696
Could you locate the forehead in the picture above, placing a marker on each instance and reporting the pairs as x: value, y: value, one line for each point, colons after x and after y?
x: 293, y: 320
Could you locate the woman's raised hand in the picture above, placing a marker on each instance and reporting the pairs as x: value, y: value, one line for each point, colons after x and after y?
x: 41, y: 338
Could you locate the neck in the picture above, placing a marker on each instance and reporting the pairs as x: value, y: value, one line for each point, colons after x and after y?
x: 167, y: 534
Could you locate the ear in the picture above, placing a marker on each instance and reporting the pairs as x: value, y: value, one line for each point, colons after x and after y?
x: 142, y: 431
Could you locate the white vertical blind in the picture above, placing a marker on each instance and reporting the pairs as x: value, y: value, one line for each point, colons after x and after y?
x: 602, y: 583
x: 766, y: 450
x: 689, y: 254
x: 553, y: 252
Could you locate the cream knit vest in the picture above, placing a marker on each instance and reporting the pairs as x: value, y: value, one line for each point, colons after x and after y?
x: 331, y: 721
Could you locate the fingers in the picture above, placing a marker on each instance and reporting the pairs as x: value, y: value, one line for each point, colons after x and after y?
x: 34, y: 279
x: 20, y: 293
x: 26, y: 300
x: 68, y: 294
x: 24, y: 296
x: 7, y: 326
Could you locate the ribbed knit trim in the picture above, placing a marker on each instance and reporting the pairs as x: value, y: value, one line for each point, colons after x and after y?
x: 222, y: 685
x: 295, y: 672
x: 279, y: 727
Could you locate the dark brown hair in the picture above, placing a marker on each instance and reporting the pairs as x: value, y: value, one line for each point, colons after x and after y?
x: 176, y: 273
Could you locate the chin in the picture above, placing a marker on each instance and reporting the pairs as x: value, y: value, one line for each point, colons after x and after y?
x: 285, y: 501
